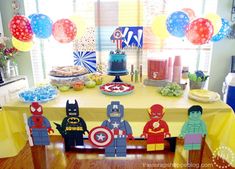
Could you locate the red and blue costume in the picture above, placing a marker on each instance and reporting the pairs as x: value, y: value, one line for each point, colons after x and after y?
x: 39, y: 125
x: 120, y: 129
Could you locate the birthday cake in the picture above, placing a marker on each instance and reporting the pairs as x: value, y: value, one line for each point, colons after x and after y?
x: 117, y: 63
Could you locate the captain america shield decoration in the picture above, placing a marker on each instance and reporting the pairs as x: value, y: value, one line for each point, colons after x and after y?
x: 101, y: 136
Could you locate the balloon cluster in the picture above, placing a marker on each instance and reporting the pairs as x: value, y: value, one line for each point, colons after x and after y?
x: 40, y: 25
x: 185, y: 24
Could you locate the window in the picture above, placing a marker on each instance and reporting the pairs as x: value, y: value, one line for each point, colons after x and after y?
x: 101, y: 18
x: 48, y: 53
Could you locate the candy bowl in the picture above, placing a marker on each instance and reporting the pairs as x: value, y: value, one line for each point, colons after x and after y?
x: 64, y: 88
x: 38, y: 94
x: 78, y: 85
x: 90, y: 84
x: 97, y: 77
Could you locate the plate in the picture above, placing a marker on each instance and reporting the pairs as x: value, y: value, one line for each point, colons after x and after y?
x: 205, y: 96
x: 116, y: 89
x: 68, y: 71
x: 58, y: 76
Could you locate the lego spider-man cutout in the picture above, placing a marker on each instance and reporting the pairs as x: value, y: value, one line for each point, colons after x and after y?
x: 39, y: 125
x: 156, y: 129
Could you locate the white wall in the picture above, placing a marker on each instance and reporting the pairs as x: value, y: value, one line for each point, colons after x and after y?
x: 222, y: 52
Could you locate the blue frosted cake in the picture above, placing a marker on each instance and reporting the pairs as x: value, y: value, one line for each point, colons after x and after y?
x: 117, y: 63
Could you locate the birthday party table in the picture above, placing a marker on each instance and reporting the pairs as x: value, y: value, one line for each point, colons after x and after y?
x: 218, y: 116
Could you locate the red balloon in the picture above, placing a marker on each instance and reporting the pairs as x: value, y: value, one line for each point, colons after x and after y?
x: 64, y: 30
x: 200, y: 31
x: 20, y: 28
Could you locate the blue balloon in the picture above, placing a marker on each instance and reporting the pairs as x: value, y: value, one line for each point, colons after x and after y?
x: 177, y: 23
x: 41, y: 25
x: 224, y: 31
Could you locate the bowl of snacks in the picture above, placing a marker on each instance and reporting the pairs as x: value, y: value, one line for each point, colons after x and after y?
x: 90, y: 84
x: 93, y: 79
x: 63, y: 77
x: 64, y: 88
x: 78, y: 85
x: 97, y: 78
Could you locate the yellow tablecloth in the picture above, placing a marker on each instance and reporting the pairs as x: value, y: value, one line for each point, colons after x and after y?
x: 218, y: 116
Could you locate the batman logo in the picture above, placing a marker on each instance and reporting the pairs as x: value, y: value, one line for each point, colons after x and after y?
x: 73, y: 120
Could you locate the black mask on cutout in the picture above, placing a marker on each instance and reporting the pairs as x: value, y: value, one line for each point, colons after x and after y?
x: 72, y: 109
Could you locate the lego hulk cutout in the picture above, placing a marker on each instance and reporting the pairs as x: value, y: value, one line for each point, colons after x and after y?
x: 194, y: 129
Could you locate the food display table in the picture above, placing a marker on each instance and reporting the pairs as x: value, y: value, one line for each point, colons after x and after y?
x: 219, y: 117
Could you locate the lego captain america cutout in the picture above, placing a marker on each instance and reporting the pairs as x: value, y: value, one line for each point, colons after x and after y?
x: 113, y: 133
x: 156, y: 129
x: 120, y: 128
x: 73, y: 127
x: 39, y: 126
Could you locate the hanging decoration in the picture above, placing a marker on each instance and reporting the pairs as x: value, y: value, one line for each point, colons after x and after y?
x: 64, y: 30
x: 20, y: 28
x: 22, y: 46
x: 215, y: 21
x: 159, y: 27
x: 80, y: 24
x: 199, y: 31
x: 176, y: 23
x: 224, y: 31
x: 41, y: 25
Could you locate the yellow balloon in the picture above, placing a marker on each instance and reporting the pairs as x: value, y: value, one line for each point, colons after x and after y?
x: 80, y: 24
x: 159, y: 27
x: 22, y: 46
x: 216, y: 22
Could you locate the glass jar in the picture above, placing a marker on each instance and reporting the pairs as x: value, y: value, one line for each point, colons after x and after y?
x: 13, y: 69
x: 7, y: 70
x: 10, y: 69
